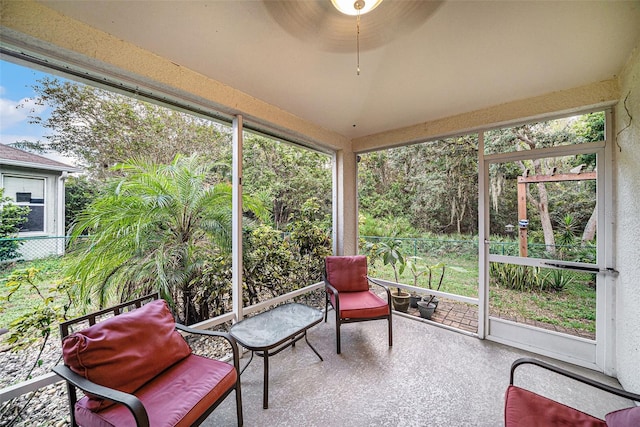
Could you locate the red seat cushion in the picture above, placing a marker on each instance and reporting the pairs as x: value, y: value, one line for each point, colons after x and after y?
x: 361, y: 305
x: 524, y: 408
x: 347, y: 273
x: 177, y: 397
x: 126, y: 351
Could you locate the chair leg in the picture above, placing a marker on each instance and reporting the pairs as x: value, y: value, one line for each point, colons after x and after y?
x: 337, y: 333
x: 239, y: 403
x: 71, y: 393
x: 390, y: 332
x: 326, y: 307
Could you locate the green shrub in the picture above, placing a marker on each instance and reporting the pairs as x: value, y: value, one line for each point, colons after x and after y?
x: 557, y: 280
x: 12, y: 217
x: 517, y: 277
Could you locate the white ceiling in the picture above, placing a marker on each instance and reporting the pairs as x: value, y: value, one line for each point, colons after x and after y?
x: 419, y: 60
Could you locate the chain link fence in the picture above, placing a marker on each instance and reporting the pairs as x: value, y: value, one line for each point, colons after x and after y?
x: 31, y: 248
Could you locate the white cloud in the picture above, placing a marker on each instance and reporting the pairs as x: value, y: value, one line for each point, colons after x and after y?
x: 15, y: 112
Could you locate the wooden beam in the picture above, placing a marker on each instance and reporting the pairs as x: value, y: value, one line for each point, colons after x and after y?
x: 557, y: 177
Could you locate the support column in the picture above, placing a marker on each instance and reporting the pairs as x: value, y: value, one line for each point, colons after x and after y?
x: 522, y: 215
x: 345, y: 203
x: 236, y: 225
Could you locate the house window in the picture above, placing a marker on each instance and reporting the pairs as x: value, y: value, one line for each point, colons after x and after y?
x: 28, y: 192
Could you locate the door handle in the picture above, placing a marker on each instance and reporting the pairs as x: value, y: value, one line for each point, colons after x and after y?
x: 608, y: 270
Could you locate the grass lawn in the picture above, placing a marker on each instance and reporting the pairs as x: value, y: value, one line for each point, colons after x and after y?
x: 25, y: 299
x: 572, y: 308
x: 460, y: 277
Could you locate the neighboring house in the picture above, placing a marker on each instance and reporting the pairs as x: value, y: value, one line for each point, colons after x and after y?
x: 37, y: 182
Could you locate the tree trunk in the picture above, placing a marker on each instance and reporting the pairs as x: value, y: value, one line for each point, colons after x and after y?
x: 545, y: 218
x: 590, y: 229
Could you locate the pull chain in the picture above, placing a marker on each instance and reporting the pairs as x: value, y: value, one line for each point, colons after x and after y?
x: 358, y: 42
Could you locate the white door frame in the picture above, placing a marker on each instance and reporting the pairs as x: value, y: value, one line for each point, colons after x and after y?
x: 596, y: 354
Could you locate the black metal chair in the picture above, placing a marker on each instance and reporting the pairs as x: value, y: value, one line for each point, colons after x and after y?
x: 141, y: 369
x: 525, y: 408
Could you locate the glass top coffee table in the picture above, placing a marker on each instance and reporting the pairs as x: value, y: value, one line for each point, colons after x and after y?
x: 272, y: 331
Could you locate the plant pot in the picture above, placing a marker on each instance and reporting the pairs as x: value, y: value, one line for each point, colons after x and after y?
x: 413, y: 301
x: 433, y: 301
x: 401, y: 301
x: 426, y: 309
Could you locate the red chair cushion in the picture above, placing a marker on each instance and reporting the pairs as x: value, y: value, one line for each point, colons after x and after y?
x: 126, y: 351
x: 629, y: 417
x: 361, y: 305
x: 347, y: 273
x: 524, y: 408
x: 177, y: 397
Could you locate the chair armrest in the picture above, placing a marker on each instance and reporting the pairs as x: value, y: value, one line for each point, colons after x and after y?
x: 604, y: 387
x: 330, y: 287
x: 129, y: 400
x: 383, y: 287
x: 225, y: 335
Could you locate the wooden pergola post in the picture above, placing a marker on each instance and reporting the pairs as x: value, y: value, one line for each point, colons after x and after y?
x: 522, y: 216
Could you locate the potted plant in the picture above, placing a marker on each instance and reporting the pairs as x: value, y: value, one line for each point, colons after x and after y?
x: 412, y: 263
x: 426, y: 309
x: 432, y: 299
x: 391, y: 253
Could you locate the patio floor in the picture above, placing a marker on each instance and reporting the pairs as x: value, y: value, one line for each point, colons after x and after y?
x: 430, y: 377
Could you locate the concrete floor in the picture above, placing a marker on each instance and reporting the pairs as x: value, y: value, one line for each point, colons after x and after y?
x: 430, y: 377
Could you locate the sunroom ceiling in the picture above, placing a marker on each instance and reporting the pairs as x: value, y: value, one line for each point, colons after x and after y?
x: 419, y: 61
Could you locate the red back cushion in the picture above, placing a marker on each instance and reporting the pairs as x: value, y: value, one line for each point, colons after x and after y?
x: 347, y: 273
x: 629, y: 417
x: 126, y: 351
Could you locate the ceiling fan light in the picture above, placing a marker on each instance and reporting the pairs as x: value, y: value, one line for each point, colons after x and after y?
x: 351, y: 7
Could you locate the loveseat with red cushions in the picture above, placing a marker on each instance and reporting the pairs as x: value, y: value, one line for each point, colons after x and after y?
x: 136, y: 369
x: 524, y: 408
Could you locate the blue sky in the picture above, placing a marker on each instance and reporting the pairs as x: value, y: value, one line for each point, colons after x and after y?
x: 15, y: 90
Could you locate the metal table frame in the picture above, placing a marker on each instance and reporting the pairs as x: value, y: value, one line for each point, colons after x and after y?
x: 268, y: 333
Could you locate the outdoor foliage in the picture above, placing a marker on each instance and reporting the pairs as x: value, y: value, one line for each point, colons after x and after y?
x: 276, y: 263
x: 101, y: 128
x: 530, y: 279
x: 517, y: 277
x: 12, y: 217
x: 51, y: 309
x: 431, y: 186
x: 287, y: 177
x: 157, y: 228
x: 79, y: 192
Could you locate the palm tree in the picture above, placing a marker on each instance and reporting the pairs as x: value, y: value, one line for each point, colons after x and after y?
x: 159, y: 227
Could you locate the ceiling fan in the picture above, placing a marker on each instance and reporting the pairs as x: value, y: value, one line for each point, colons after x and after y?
x: 321, y: 25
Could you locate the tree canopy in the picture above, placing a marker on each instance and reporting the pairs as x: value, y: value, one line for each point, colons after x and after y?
x: 432, y: 187
x: 100, y: 128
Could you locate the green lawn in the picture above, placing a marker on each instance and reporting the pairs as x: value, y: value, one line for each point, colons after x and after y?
x: 25, y: 299
x: 573, y: 307
x: 460, y: 277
